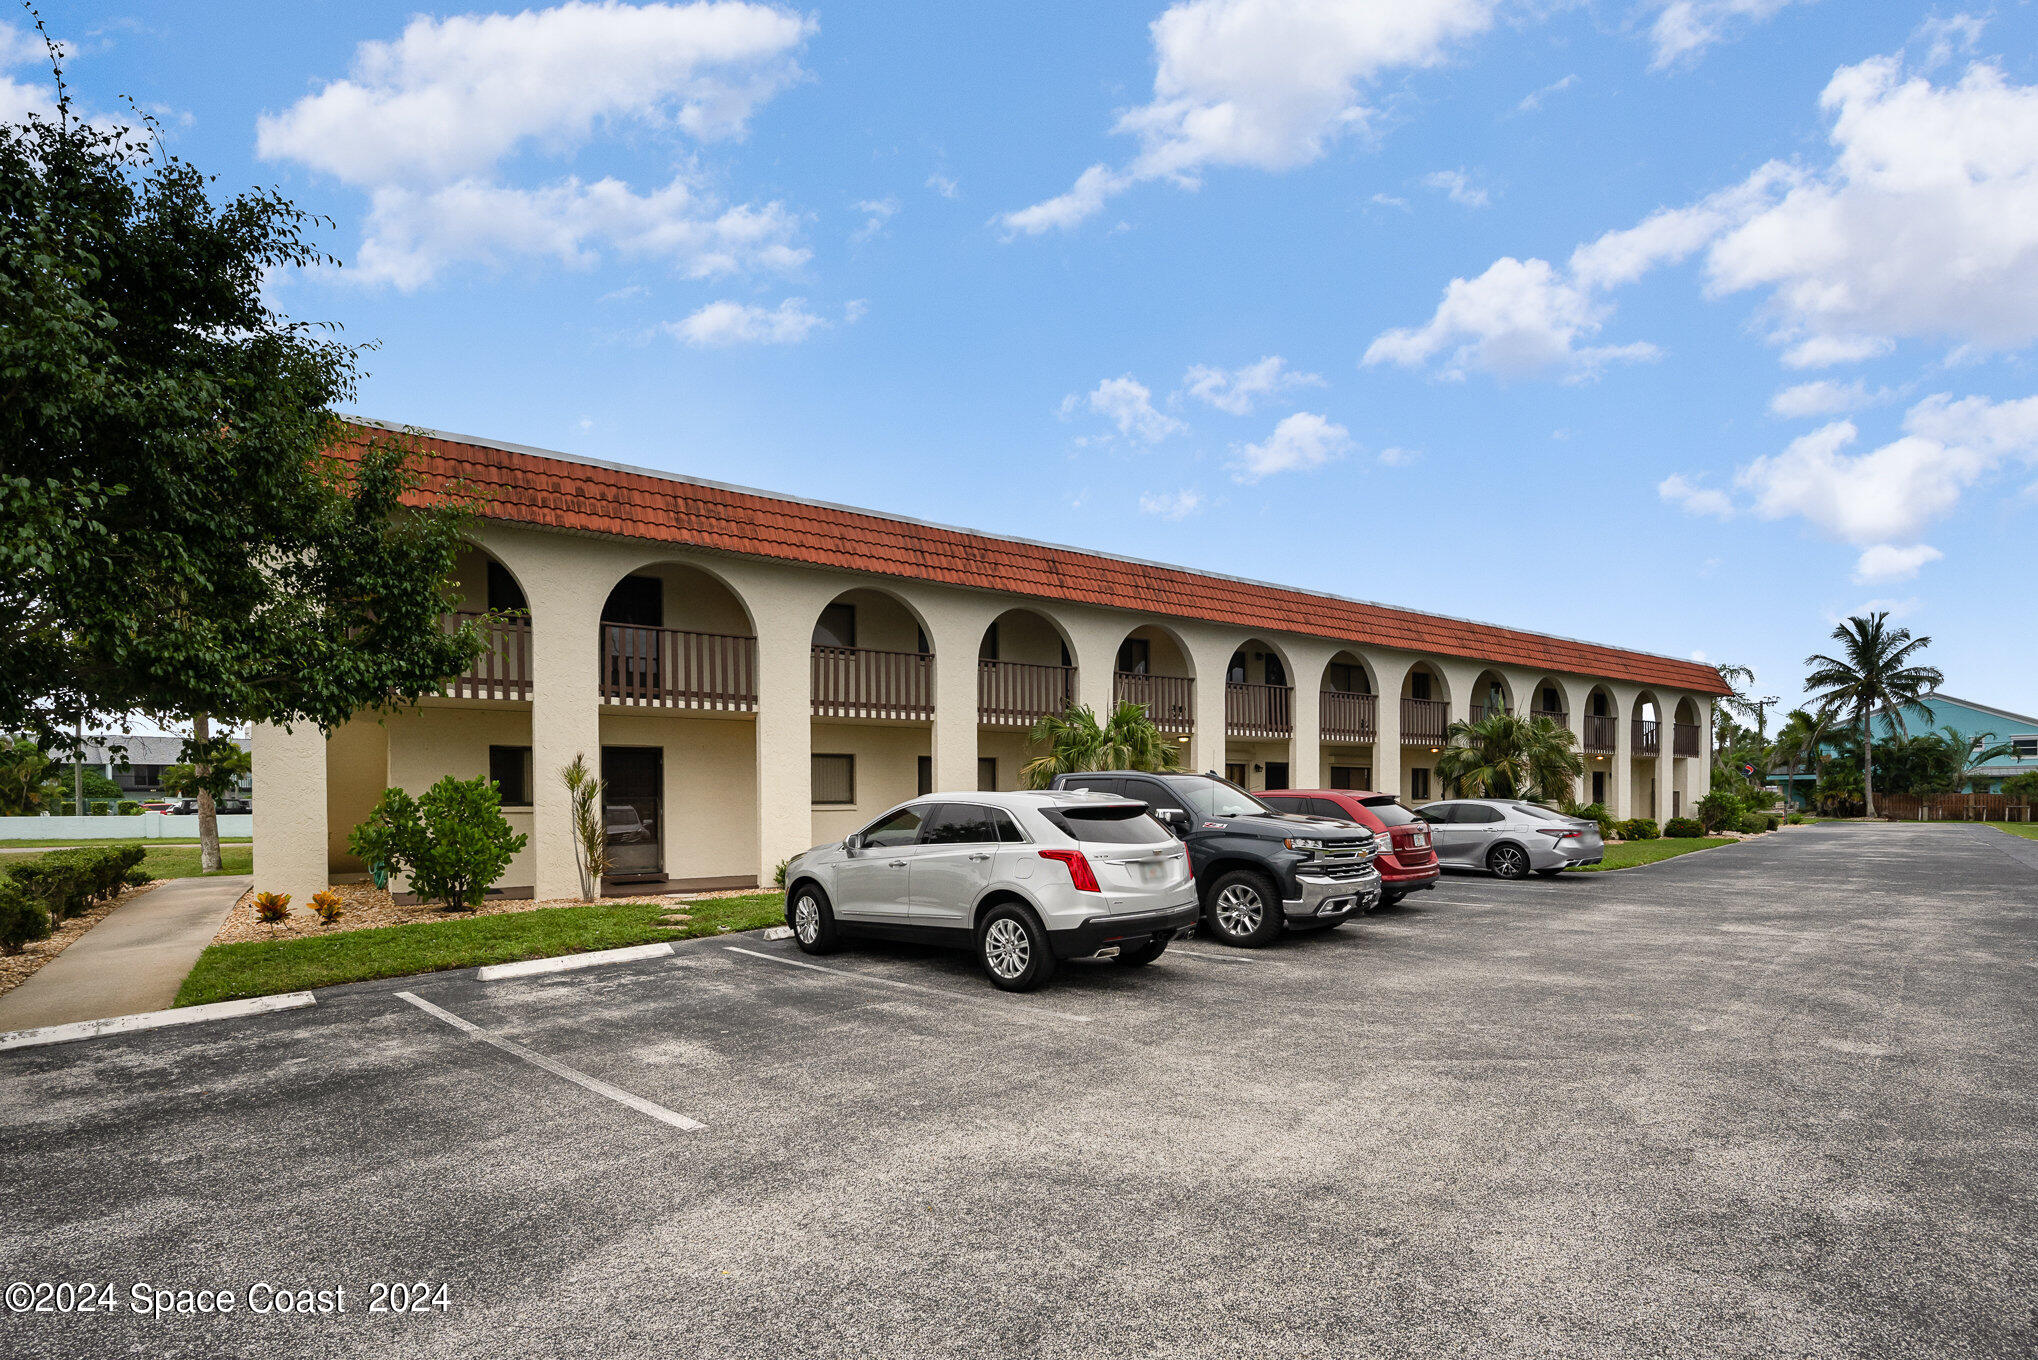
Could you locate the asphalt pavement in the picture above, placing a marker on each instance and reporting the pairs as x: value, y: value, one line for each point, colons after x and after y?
x: 1775, y: 1099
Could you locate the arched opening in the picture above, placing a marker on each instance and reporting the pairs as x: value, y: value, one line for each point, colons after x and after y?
x: 1152, y: 669
x: 1026, y: 670
x: 1684, y: 747
x: 1425, y: 718
x: 1259, y: 716
x: 1645, y: 745
x: 872, y: 735
x: 1347, y: 722
x: 677, y: 636
x: 485, y: 587
x: 1491, y: 696
x: 1548, y: 701
x: 1598, y: 733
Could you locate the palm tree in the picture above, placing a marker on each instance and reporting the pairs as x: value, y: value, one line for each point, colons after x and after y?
x: 1505, y: 756
x: 1874, y: 672
x: 1801, y: 741
x: 1738, y: 679
x: 1076, y: 742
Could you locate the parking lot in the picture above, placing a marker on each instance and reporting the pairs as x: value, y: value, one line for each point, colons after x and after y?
x: 1775, y: 1099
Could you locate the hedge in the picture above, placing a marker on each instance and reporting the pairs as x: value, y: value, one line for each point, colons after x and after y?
x: 1681, y: 828
x: 1754, y: 824
x: 1640, y: 829
x: 23, y: 920
x: 65, y: 882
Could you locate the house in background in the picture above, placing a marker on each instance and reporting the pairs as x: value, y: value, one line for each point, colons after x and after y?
x: 136, y: 763
x: 1983, y: 727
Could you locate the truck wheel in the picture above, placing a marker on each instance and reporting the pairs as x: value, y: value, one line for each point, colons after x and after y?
x: 1391, y: 899
x: 813, y: 921
x: 1508, y: 861
x: 1013, y: 949
x: 1243, y: 909
x: 1139, y: 956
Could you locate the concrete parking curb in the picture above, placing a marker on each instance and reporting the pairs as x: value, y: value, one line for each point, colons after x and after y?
x: 125, y: 1024
x: 566, y: 962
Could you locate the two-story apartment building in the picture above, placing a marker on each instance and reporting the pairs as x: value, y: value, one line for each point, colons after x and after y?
x: 756, y: 674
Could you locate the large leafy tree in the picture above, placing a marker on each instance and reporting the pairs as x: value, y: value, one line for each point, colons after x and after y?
x: 1076, y: 742
x: 1876, y: 671
x: 1505, y: 756
x: 177, y: 536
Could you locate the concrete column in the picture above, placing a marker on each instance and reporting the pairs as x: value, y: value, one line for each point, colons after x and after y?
x: 565, y: 722
x: 1388, y: 676
x: 1211, y: 657
x: 785, y: 739
x: 955, y: 710
x: 1666, y: 773
x: 1305, y: 749
x: 1621, y: 794
x: 290, y: 813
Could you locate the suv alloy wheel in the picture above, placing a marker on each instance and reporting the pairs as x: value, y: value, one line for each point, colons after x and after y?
x: 813, y: 921
x: 1013, y: 949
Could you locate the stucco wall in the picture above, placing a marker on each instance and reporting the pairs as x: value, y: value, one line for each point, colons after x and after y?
x: 887, y: 772
x: 357, y: 771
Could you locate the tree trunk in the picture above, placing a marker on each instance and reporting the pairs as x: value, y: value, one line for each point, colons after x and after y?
x: 1868, y: 768
x: 208, y: 811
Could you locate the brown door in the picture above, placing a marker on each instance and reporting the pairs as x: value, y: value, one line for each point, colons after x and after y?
x: 633, y: 811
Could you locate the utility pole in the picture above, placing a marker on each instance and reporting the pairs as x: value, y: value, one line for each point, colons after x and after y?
x: 78, y: 771
x: 1761, y: 707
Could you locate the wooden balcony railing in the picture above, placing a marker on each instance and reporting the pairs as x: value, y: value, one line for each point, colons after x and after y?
x: 672, y: 668
x: 1347, y: 717
x: 1600, y: 733
x: 855, y: 682
x: 1258, y: 710
x: 1021, y: 693
x: 1555, y: 715
x: 503, y: 670
x: 1684, y: 739
x: 1170, y: 700
x: 1423, y: 721
x: 1481, y: 712
x: 1647, y: 738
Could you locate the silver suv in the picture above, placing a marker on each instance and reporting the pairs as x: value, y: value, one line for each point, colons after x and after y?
x: 1510, y: 838
x: 1024, y: 879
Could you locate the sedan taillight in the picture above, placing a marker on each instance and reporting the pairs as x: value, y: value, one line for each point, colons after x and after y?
x: 1078, y: 867
x: 1560, y: 833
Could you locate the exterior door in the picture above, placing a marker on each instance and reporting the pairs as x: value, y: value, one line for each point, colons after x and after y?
x: 1277, y: 770
x: 874, y: 882
x: 633, y: 797
x: 953, y: 865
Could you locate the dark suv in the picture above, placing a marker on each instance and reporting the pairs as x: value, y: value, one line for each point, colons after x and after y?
x: 1257, y: 870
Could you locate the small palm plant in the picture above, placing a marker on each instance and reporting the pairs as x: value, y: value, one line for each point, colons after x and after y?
x: 1077, y: 742
x: 590, y: 835
x: 1505, y: 756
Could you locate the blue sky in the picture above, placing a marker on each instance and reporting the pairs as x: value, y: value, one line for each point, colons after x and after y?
x: 1689, y: 325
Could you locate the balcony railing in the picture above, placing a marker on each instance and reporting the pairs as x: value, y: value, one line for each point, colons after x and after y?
x: 503, y: 670
x: 1684, y: 739
x: 1481, y: 712
x: 1600, y: 733
x: 855, y: 682
x: 1648, y: 740
x: 672, y: 668
x: 1258, y: 710
x: 1170, y: 700
x: 1555, y: 715
x: 1020, y: 693
x: 1347, y: 717
x: 1423, y: 721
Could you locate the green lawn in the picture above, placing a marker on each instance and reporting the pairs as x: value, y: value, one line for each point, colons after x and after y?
x: 44, y: 845
x: 1627, y: 854
x: 2028, y: 830
x: 260, y: 968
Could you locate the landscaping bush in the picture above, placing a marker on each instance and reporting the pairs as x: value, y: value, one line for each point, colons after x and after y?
x: 1640, y: 829
x: 1609, y: 829
x: 1683, y: 828
x: 328, y: 904
x: 272, y: 907
x: 1718, y: 809
x: 65, y: 882
x: 23, y: 920
x: 1772, y: 823
x: 1752, y: 824
x: 453, y: 842
x: 1796, y: 819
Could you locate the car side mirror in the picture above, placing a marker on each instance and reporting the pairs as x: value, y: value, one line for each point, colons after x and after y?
x: 853, y: 841
x: 1175, y: 820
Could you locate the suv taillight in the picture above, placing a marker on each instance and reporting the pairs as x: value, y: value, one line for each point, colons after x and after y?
x: 1078, y: 867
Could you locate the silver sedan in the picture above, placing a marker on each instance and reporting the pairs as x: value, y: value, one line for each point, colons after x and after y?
x: 1508, y: 838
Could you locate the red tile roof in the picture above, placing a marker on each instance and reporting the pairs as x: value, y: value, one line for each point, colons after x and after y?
x: 554, y: 491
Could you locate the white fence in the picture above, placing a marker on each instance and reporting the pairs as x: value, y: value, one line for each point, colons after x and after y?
x: 149, y: 826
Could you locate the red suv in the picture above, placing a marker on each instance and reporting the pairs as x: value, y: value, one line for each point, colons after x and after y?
x: 1410, y: 866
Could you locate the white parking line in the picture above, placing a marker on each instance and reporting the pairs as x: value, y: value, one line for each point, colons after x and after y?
x: 1178, y: 951
x: 557, y: 1069
x: 1015, y: 1008
x: 567, y: 962
x: 127, y: 1024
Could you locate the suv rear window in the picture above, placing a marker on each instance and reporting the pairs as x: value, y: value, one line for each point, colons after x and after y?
x: 1120, y: 824
x: 1388, y: 811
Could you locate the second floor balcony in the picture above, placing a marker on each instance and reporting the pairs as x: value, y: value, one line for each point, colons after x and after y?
x: 1170, y: 700
x: 1600, y: 733
x: 1647, y: 737
x: 671, y: 668
x: 1424, y: 721
x: 1555, y: 715
x: 1347, y: 717
x: 1258, y: 710
x: 1684, y: 739
x: 1019, y: 693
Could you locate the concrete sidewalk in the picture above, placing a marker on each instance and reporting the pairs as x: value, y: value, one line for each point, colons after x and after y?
x: 133, y: 961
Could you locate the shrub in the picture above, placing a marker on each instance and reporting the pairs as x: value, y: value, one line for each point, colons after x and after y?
x: 1640, y: 829
x: 2022, y: 788
x: 328, y: 905
x: 65, y: 882
x: 272, y: 907
x: 1718, y: 809
x: 778, y: 874
x: 23, y: 920
x: 1609, y: 829
x: 453, y: 842
x: 1770, y: 822
x: 1752, y: 824
x: 1683, y: 828
x: 1796, y: 819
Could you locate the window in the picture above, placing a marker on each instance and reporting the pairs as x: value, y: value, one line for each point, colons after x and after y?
x: 959, y: 824
x: 1418, y: 783
x: 1153, y: 794
x: 1121, y: 825
x: 836, y: 626
x: 1096, y: 784
x: 1389, y: 812
x: 1209, y: 798
x: 510, y: 769
x: 1287, y: 804
x: 834, y: 779
x: 987, y: 650
x: 920, y: 642
x: 1599, y: 706
x: 1324, y: 807
x: 1234, y: 674
x: 1551, y: 702
x: 901, y: 828
x: 638, y: 601
x: 1477, y: 812
x: 1351, y: 776
x: 505, y: 596
x: 1276, y: 673
x: 1135, y: 655
x: 987, y: 774
x: 1348, y: 679
x: 926, y: 775
x: 1235, y: 773
x: 1008, y: 830
x: 1435, y: 815
x: 2024, y: 748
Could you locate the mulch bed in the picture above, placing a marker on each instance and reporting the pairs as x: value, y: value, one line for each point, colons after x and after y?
x: 368, y: 906
x: 16, y: 969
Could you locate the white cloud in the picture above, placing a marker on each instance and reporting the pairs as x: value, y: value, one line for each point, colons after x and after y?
x: 1823, y: 398
x: 1895, y: 608
x: 1390, y: 201
x: 1299, y: 443
x: 943, y: 185
x: 1127, y: 403
x: 1399, y: 457
x: 1533, y: 100
x: 1942, y: 39
x: 23, y: 47
x: 1885, y: 495
x: 1175, y: 505
x: 1266, y: 84
x: 1520, y: 317
x: 1235, y: 390
x: 876, y: 213
x: 1458, y: 185
x: 425, y: 122
x: 725, y: 323
x: 1885, y: 562
x: 1687, y: 494
x: 1684, y: 28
